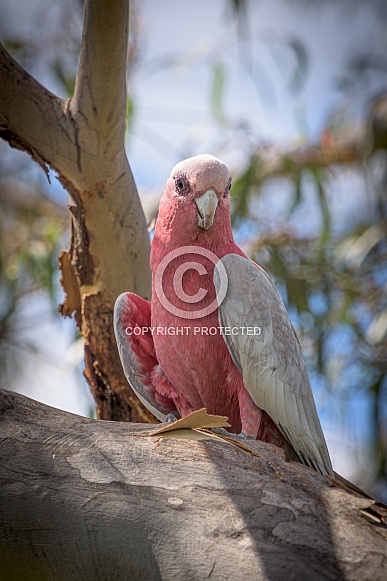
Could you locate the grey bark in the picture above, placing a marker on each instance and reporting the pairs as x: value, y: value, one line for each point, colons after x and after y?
x: 82, y: 499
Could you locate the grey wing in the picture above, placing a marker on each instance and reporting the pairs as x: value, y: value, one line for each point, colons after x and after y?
x: 137, y: 353
x: 267, y: 353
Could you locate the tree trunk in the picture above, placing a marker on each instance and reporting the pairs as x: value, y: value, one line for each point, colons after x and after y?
x: 87, y: 500
x: 82, y: 139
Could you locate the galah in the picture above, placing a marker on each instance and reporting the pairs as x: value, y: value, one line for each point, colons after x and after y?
x: 216, y: 333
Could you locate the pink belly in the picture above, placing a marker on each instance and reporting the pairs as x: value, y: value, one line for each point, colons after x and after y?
x: 197, y: 362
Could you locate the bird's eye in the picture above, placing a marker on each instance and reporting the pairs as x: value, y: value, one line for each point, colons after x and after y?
x: 228, y: 188
x: 182, y: 185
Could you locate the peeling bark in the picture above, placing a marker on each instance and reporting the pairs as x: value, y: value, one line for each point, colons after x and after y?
x: 84, y: 499
x: 72, y: 303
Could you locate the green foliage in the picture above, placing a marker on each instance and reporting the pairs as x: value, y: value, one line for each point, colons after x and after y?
x: 66, y: 80
x: 217, y: 93
x: 31, y: 228
x: 243, y: 187
x: 302, y: 64
x: 130, y: 110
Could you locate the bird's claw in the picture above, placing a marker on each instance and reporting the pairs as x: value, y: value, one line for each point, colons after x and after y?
x: 170, y: 419
x: 221, y: 431
x: 243, y: 436
x: 224, y: 432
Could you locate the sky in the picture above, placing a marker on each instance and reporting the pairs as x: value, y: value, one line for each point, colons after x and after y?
x: 180, y: 44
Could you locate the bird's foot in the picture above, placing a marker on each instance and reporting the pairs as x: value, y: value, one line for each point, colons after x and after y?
x: 224, y: 432
x: 244, y: 436
x: 170, y: 419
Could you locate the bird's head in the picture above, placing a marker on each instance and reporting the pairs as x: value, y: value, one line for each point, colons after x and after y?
x: 196, y: 202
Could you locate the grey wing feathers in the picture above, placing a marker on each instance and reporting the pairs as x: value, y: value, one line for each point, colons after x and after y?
x: 270, y: 360
x: 136, y: 374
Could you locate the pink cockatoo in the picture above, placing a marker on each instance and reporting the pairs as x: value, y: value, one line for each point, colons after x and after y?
x: 216, y: 333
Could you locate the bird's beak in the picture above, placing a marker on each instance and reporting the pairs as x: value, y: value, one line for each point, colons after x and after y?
x: 207, y: 204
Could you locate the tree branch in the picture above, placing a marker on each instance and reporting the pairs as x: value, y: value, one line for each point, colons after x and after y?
x: 28, y: 114
x: 84, y: 499
x: 102, y: 71
x: 83, y: 140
